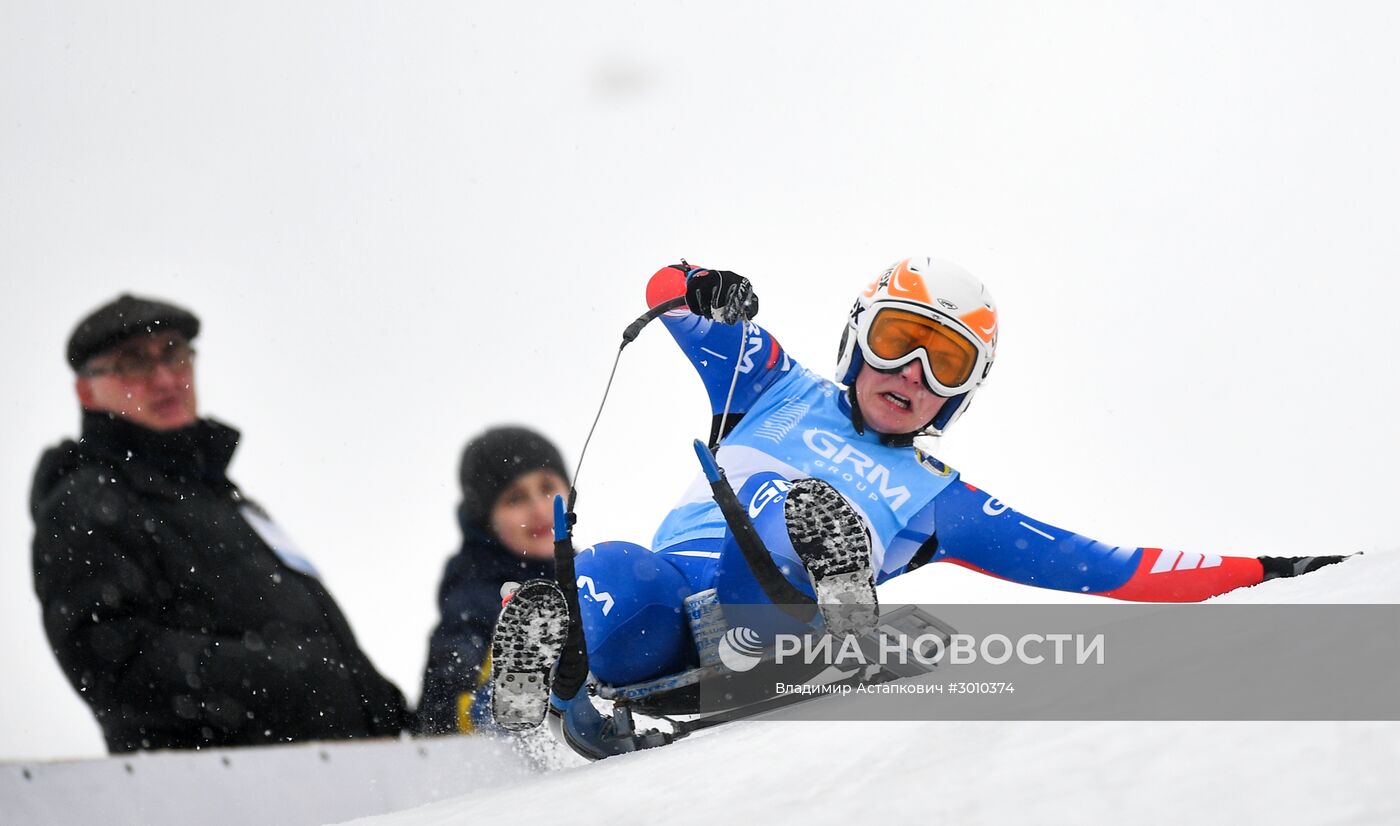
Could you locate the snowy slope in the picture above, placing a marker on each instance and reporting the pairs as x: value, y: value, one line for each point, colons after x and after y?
x: 777, y: 771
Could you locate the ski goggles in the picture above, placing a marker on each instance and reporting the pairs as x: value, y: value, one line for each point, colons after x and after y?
x: 952, y: 362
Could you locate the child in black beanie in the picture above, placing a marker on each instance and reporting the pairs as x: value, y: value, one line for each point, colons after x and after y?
x: 509, y: 477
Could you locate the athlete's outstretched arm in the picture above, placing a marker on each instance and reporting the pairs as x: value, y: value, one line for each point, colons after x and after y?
x: 980, y: 532
x: 714, y: 348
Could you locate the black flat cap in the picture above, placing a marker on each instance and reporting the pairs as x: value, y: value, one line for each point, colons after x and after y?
x: 122, y: 318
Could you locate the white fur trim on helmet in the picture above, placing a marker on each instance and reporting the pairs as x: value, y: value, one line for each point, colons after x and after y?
x: 941, y: 290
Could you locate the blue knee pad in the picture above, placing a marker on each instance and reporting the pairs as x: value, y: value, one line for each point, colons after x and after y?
x: 735, y: 586
x: 633, y: 610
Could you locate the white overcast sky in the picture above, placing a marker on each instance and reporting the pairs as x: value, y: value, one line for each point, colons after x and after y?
x: 403, y: 222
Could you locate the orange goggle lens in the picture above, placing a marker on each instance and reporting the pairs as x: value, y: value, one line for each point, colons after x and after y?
x: 894, y: 334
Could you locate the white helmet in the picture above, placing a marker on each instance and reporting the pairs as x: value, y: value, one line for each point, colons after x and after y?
x: 932, y: 311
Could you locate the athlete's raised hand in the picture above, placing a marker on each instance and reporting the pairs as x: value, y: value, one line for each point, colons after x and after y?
x: 724, y: 296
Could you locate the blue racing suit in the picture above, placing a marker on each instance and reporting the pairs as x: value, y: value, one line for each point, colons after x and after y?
x: 788, y: 423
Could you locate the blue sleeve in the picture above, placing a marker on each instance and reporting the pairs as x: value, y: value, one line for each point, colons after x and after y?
x: 970, y: 527
x: 714, y: 349
x: 981, y: 532
x: 978, y: 531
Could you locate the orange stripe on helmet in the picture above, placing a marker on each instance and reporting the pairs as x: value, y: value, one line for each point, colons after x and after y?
x: 906, y: 283
x: 983, y: 322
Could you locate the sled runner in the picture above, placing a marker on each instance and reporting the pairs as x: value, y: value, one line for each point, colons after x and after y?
x: 710, y: 695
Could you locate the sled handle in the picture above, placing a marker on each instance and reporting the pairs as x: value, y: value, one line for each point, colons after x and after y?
x: 572, y: 671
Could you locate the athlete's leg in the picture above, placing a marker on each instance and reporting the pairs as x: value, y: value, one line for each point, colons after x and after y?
x: 819, y: 544
x: 763, y: 495
x: 744, y: 601
x: 632, y: 605
x: 696, y: 559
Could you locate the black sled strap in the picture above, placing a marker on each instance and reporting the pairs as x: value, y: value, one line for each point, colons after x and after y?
x: 779, y: 591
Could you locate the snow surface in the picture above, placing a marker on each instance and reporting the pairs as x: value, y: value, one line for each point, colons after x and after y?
x: 781, y: 771
x: 969, y: 773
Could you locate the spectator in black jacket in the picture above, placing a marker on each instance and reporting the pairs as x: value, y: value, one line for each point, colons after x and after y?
x: 173, y: 603
x: 510, y: 476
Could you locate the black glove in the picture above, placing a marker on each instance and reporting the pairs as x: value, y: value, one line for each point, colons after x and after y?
x: 1286, y: 566
x: 721, y: 295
